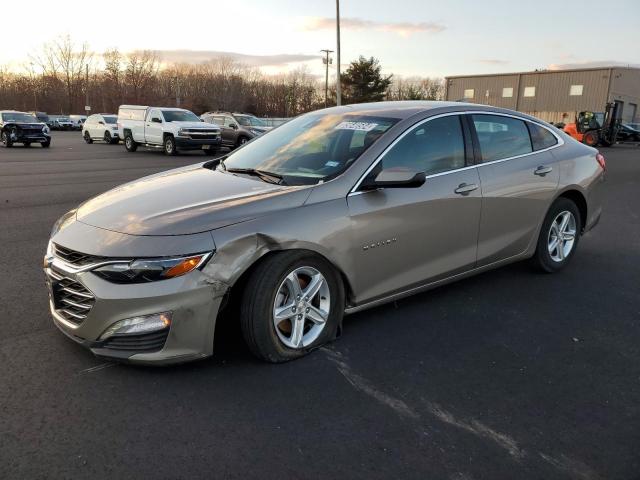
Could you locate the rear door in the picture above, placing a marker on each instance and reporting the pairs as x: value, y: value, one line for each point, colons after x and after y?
x: 519, y: 179
x: 406, y: 237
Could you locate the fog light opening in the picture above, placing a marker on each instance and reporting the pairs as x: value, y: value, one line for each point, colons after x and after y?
x: 139, y: 325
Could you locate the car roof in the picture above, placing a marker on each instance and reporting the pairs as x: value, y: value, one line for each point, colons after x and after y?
x: 398, y: 109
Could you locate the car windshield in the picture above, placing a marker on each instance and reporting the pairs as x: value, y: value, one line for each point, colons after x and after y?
x: 64, y: 119
x: 179, y: 116
x: 250, y: 121
x: 312, y: 148
x: 635, y: 126
x: 19, y: 117
x: 111, y: 119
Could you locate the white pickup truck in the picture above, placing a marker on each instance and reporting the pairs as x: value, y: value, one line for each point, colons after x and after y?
x: 171, y: 129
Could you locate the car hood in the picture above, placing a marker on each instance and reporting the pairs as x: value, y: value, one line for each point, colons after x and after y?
x: 26, y: 124
x: 187, y: 200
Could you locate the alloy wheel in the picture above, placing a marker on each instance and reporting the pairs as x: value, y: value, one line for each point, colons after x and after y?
x: 562, y: 236
x: 301, y: 307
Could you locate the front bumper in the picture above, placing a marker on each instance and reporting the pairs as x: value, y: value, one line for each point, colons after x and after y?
x: 187, y: 143
x: 193, y: 301
x: 32, y: 138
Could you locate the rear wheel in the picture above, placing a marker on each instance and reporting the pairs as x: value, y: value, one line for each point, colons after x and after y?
x: 559, y: 236
x: 292, y: 304
x: 170, y: 145
x: 129, y: 143
x: 87, y: 137
x: 591, y: 138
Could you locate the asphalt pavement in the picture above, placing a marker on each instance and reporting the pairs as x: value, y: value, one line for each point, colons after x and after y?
x: 511, y: 374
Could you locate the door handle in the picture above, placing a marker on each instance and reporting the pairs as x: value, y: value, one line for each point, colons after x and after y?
x: 465, y: 188
x: 542, y: 170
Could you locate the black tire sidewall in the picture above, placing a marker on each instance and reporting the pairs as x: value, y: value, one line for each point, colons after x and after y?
x: 542, y: 256
x: 107, y: 137
x: 129, y: 143
x: 259, y: 296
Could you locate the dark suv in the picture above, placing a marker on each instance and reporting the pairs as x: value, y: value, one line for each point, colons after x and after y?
x: 237, y: 128
x: 20, y: 127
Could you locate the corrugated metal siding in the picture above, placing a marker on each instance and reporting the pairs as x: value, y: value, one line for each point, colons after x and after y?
x: 625, y: 87
x: 552, y: 101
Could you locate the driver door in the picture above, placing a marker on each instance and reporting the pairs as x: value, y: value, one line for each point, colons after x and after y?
x: 153, y: 130
x: 407, y: 237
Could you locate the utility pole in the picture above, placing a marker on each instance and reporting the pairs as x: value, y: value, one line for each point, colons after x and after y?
x: 338, y: 87
x: 326, y: 62
x: 86, y: 87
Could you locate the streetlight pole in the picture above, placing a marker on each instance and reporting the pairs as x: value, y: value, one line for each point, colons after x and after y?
x: 338, y: 87
x: 326, y: 62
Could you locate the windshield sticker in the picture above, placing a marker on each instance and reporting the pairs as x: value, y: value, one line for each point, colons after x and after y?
x: 360, y: 126
x: 331, y: 163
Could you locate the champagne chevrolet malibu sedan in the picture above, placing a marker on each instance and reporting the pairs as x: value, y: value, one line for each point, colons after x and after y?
x: 334, y: 212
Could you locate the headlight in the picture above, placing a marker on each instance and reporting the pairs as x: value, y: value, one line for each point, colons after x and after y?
x: 182, y: 132
x: 45, y: 129
x: 151, y: 269
x: 255, y: 132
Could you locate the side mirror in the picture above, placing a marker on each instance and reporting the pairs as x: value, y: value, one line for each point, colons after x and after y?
x: 394, y: 178
x: 234, y: 126
x: 101, y: 123
x: 156, y: 120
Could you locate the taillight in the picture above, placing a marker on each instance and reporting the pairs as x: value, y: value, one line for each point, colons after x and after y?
x: 601, y: 161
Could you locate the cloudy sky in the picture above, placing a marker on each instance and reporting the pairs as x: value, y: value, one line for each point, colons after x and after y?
x: 410, y: 37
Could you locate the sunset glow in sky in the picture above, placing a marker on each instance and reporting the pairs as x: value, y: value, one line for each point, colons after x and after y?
x: 410, y: 37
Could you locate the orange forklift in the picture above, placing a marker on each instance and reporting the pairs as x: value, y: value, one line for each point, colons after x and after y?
x: 596, y: 128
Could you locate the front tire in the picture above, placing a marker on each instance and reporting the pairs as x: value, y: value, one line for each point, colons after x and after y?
x: 107, y: 138
x: 559, y: 236
x: 170, y: 145
x: 241, y: 141
x: 591, y: 138
x: 46, y: 144
x: 87, y: 138
x: 26, y: 144
x: 292, y: 304
x: 6, y: 140
x: 129, y: 143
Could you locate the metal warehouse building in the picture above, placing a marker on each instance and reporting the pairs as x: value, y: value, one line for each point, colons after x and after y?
x: 553, y: 95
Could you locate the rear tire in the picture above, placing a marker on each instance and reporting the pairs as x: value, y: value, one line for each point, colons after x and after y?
x: 6, y: 140
x: 129, y: 143
x: 558, y: 242
x: 591, y: 138
x: 87, y: 138
x: 170, y: 145
x: 263, y: 294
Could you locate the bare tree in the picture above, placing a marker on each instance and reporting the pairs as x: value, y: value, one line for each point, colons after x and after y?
x: 141, y: 68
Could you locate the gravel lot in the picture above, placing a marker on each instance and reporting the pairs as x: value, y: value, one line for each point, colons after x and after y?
x: 508, y: 375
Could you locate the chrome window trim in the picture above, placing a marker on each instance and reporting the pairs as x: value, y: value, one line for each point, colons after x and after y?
x: 354, y: 190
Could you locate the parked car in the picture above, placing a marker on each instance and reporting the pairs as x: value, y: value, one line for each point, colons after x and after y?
x: 629, y: 132
x: 237, y: 128
x: 78, y: 121
x: 61, y: 122
x: 171, y: 129
x: 42, y: 117
x: 336, y: 211
x: 21, y: 127
x: 101, y: 126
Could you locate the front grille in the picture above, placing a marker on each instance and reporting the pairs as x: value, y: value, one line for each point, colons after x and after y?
x: 77, y: 259
x: 146, y: 342
x: 204, y: 136
x: 71, y: 300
